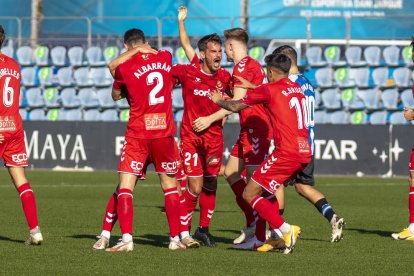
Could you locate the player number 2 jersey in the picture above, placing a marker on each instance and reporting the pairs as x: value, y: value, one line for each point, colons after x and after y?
x: 10, y: 119
x: 286, y: 105
x: 148, y: 82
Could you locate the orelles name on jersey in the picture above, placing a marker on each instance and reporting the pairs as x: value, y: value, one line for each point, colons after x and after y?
x: 9, y: 72
x: 292, y: 90
x: 152, y: 66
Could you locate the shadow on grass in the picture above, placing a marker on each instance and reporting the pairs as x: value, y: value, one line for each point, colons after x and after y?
x: 381, y: 233
x: 2, y: 238
x: 82, y: 236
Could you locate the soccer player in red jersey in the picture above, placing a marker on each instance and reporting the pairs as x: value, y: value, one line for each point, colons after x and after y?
x: 253, y: 143
x: 144, y: 77
x: 12, y: 146
x: 408, y: 233
x: 201, y: 152
x: 285, y: 103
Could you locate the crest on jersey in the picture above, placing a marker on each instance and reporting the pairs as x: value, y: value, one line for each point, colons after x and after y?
x: 144, y: 56
x: 219, y: 85
x: 197, y: 79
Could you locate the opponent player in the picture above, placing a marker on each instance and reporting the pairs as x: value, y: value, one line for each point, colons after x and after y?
x: 408, y: 233
x: 12, y: 146
x: 201, y: 152
x: 284, y: 101
x: 145, y: 80
x: 253, y: 143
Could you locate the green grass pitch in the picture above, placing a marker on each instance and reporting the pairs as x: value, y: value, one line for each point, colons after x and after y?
x: 71, y: 206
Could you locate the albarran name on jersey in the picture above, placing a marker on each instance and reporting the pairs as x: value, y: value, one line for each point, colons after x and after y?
x: 152, y: 66
x: 9, y: 72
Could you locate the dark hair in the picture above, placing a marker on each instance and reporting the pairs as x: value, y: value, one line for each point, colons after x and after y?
x: 202, y: 43
x: 412, y: 42
x: 2, y: 35
x: 134, y: 36
x: 289, y: 51
x: 280, y: 62
x: 238, y: 34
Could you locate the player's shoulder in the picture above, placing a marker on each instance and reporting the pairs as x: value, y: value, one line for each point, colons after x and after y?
x: 9, y: 61
x: 165, y: 53
x: 224, y: 74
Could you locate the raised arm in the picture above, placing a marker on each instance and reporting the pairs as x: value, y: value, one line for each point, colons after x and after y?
x: 184, y: 39
x: 144, y: 48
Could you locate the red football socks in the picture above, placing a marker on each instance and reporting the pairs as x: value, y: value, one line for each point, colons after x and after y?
x: 268, y: 211
x: 238, y: 188
x: 207, y: 206
x: 110, y: 217
x: 29, y: 204
x: 191, y: 203
x: 125, y: 210
x: 411, y: 204
x: 172, y: 210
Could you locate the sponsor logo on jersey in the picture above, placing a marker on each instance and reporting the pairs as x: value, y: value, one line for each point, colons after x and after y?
x: 274, y: 185
x: 19, y: 157
x: 7, y: 123
x: 202, y: 93
x: 155, y: 121
x: 197, y: 79
x: 213, y: 160
x: 137, y: 166
x: 169, y: 167
x: 303, y: 145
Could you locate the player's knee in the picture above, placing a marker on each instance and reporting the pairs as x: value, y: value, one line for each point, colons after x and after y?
x: 300, y: 189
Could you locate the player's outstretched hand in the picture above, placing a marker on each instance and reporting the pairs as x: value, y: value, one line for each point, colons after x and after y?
x: 182, y: 13
x: 202, y: 123
x: 215, y: 96
x: 245, y: 83
x: 408, y: 114
x: 1, y: 138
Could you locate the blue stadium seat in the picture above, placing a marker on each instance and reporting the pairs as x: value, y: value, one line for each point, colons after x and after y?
x: 41, y: 55
x: 257, y: 52
x: 24, y: 56
x: 55, y: 114
x: 390, y: 99
x: 110, y: 53
x: 321, y: 117
x: 51, y: 97
x: 58, y: 55
x: 331, y: 99
x: 380, y: 76
x: 358, y: 118
x: 178, y: 116
x: 124, y: 115
x: 180, y: 56
x: 105, y: 98
x: 343, y: 77
x: 24, y: 114
x: 168, y: 48
x: 372, y: 55
x: 406, y: 55
x: 360, y: 76
x: 353, y: 56
x: 81, y: 76
x: 177, y: 99
x: 72, y: 115
x: 371, y: 98
x: 8, y: 51
x: 45, y: 76
x: 397, y: 118
x: 94, y: 56
x: 332, y: 56
x: 378, y: 118
x: 34, y: 97
x: 75, y: 55
x: 69, y: 98
x: 88, y: 98
x: 314, y: 56
x: 64, y: 76
x: 28, y: 76
x: 233, y: 118
x: 351, y: 100
x: 37, y: 115
x: 339, y: 117
x: 407, y: 98
x: 110, y: 115
x: 401, y: 77
x: 92, y: 115
x: 391, y: 55
x: 98, y: 76
x: 324, y: 77
x: 318, y: 98
x: 123, y: 103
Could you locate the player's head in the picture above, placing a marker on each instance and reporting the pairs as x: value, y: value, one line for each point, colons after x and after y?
x: 236, y: 39
x: 210, y: 51
x: 278, y: 66
x: 2, y: 36
x: 289, y: 51
x: 412, y: 48
x: 133, y: 37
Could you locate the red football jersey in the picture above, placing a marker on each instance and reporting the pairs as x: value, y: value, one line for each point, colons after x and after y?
x: 251, y: 70
x: 286, y: 105
x: 147, y: 79
x: 10, y: 119
x: 196, y: 86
